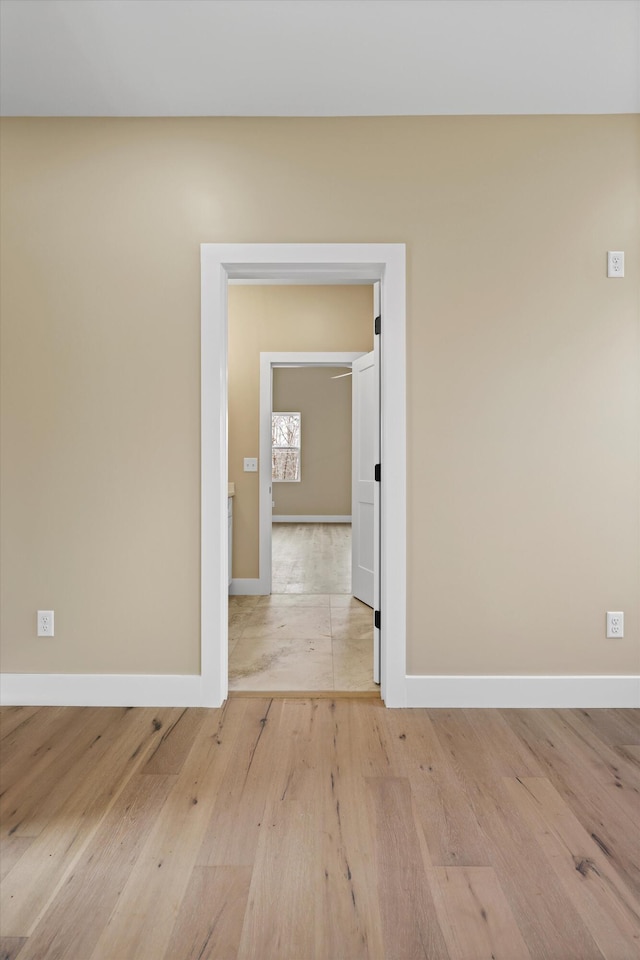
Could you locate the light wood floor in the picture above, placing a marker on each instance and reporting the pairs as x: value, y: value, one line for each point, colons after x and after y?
x: 304, y: 829
x: 311, y: 558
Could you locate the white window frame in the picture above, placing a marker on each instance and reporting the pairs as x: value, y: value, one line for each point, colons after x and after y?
x: 288, y: 413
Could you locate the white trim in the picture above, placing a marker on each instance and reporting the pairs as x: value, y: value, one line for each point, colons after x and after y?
x: 250, y: 587
x: 316, y: 263
x: 158, y: 690
x: 292, y: 518
x: 504, y: 692
x: 100, y: 690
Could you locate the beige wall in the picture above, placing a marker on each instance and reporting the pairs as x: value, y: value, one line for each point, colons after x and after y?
x: 522, y: 382
x: 270, y: 319
x: 325, y: 407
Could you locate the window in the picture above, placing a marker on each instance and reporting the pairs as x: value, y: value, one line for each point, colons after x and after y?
x: 285, y: 446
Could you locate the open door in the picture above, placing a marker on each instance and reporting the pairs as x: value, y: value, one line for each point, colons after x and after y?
x: 365, y: 505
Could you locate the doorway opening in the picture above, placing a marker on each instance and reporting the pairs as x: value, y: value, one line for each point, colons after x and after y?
x: 327, y: 457
x: 308, y: 264
x: 305, y: 632
x: 311, y: 454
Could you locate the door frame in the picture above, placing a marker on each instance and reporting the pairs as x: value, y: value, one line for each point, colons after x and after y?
x: 267, y: 362
x: 308, y: 263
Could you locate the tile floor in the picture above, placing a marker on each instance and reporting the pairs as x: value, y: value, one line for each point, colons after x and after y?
x: 311, y: 558
x: 300, y: 642
x: 310, y: 634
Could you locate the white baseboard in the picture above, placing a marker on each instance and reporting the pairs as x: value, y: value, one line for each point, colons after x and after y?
x: 248, y: 588
x: 307, y: 518
x: 140, y: 690
x: 97, y: 690
x: 497, y: 691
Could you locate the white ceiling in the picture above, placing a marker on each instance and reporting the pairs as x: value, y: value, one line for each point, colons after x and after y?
x: 318, y: 57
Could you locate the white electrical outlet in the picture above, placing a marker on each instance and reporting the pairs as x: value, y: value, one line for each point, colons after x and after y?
x: 615, y: 263
x: 45, y: 623
x: 250, y: 464
x: 615, y: 623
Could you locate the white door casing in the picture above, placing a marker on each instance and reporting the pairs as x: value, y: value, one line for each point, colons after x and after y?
x: 310, y: 263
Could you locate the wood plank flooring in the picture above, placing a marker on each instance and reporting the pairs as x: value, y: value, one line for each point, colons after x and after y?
x: 319, y: 829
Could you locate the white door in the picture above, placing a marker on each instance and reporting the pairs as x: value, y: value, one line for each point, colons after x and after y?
x: 365, y: 505
x: 363, y: 493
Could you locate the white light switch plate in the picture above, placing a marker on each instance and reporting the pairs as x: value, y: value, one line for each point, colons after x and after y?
x: 250, y: 464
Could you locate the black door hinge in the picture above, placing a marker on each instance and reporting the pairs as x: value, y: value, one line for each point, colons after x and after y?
x: 376, y: 619
x: 376, y: 472
x: 377, y: 323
